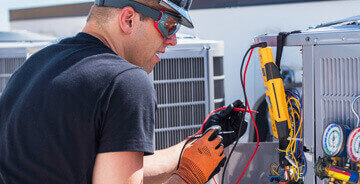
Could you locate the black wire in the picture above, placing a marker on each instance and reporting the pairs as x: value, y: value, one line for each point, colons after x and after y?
x: 182, y: 150
x: 243, y: 117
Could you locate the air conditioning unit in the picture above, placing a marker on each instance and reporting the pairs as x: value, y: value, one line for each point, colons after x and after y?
x: 189, y: 82
x: 15, y: 48
x: 331, y: 78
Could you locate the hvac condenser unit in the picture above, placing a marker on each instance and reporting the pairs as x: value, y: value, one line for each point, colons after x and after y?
x: 331, y: 80
x: 189, y: 81
x: 15, y: 47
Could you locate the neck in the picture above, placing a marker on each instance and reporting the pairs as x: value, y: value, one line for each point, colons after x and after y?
x: 103, y: 36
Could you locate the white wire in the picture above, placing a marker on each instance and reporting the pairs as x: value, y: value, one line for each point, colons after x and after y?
x: 353, y: 110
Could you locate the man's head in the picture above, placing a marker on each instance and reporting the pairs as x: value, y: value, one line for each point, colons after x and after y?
x: 135, y: 30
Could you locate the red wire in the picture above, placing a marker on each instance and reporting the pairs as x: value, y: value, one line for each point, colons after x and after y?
x: 247, y: 64
x: 253, y: 119
x: 287, y: 174
x: 214, y: 180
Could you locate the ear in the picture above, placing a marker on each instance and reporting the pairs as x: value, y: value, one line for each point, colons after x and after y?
x: 126, y: 19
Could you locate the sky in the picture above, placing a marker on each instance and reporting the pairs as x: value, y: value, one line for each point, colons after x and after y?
x: 16, y: 4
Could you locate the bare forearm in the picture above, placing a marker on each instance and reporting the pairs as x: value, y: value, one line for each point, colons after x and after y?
x: 159, y: 167
x: 175, y: 179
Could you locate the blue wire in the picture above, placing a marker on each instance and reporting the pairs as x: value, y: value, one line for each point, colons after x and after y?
x: 303, y: 160
x: 282, y: 173
x: 301, y: 152
x: 293, y: 94
x: 297, y: 95
x: 297, y: 92
x: 298, y: 144
x: 278, y: 177
x: 305, y: 165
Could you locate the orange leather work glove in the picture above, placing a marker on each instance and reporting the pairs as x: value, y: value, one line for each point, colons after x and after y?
x: 202, y: 158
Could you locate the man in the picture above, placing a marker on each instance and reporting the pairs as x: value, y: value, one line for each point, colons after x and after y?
x: 82, y: 110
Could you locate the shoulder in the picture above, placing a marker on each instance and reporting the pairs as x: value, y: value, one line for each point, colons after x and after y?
x: 103, y: 73
x: 107, y: 62
x: 120, y: 71
x: 123, y: 80
x: 105, y: 68
x: 134, y: 83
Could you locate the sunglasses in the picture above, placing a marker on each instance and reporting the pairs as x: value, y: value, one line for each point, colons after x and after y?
x: 166, y: 22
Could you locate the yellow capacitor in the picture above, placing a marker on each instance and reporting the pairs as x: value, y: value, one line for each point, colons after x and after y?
x: 275, y: 94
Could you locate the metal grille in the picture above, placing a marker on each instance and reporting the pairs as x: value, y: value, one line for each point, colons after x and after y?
x: 340, y: 76
x: 180, y: 86
x: 218, y: 65
x: 7, y: 67
x: 340, y: 85
x: 179, y: 68
x: 338, y: 110
x: 219, y: 91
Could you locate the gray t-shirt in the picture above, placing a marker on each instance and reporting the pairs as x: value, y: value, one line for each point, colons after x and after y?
x: 67, y: 103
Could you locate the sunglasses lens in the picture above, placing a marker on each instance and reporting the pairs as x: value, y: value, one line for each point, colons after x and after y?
x: 172, y: 25
x: 174, y: 30
x: 168, y: 23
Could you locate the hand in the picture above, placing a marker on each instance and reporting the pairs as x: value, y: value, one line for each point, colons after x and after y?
x: 229, y: 120
x: 202, y: 158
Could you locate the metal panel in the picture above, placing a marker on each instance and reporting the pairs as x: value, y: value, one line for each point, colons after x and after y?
x: 23, y: 36
x: 216, y: 79
x: 180, y: 84
x: 10, y: 60
x: 184, y: 84
x: 309, y: 111
x: 336, y: 85
x: 12, y: 52
x: 317, y: 37
x: 258, y: 170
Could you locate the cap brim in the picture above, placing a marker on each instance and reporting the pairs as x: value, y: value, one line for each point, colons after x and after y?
x: 185, y: 17
x: 186, y: 21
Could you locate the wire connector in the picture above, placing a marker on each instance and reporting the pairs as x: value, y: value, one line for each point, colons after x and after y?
x: 260, y: 44
x: 295, y: 139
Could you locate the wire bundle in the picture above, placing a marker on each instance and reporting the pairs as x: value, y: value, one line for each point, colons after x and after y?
x: 294, y: 151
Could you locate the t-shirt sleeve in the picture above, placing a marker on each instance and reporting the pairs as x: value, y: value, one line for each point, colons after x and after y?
x: 129, y: 114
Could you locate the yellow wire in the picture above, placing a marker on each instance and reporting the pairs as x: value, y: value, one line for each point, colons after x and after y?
x: 272, y: 171
x: 291, y: 113
x: 297, y: 168
x: 292, y: 143
x: 294, y: 114
x: 293, y: 174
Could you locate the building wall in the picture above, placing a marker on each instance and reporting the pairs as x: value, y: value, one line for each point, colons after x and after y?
x: 58, y: 27
x: 4, y: 19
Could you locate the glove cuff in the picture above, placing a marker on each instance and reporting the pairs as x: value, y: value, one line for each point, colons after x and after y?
x: 190, y: 173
